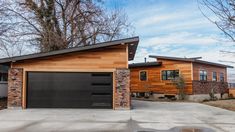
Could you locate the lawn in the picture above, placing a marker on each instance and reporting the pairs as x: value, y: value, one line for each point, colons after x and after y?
x: 225, y: 104
x: 3, y: 103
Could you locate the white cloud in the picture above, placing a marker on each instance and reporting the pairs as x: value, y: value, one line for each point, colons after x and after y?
x: 151, y: 20
x: 180, y: 38
x: 178, y: 30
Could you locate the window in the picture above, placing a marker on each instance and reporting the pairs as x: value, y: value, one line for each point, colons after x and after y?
x: 203, y: 75
x: 214, y: 76
x: 143, y: 76
x: 221, y: 77
x: 3, y: 73
x: 3, y: 77
x: 170, y: 74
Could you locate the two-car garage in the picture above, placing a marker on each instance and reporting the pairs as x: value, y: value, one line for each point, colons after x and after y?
x: 93, y: 76
x: 69, y: 90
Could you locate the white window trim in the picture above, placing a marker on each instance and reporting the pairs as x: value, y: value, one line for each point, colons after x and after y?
x: 200, y: 75
x: 213, y: 77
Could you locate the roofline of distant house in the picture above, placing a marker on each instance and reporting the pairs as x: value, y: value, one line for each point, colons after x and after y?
x: 195, y: 60
x: 145, y: 64
x: 132, y: 46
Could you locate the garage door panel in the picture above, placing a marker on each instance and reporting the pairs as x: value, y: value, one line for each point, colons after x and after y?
x: 104, y: 80
x: 101, y: 105
x: 105, y: 98
x: 69, y: 90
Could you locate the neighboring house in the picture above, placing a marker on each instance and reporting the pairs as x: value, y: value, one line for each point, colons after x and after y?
x: 3, y: 81
x: 95, y: 76
x: 200, y: 76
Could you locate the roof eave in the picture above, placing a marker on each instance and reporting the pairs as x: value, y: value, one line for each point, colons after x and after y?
x: 129, y: 41
x: 145, y: 64
x: 190, y: 60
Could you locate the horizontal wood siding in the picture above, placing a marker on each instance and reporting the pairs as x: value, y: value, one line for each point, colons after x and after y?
x: 232, y: 92
x: 209, y: 68
x: 108, y: 58
x: 154, y: 82
x: 100, y: 60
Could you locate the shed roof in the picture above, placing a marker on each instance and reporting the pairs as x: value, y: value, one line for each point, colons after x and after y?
x: 131, y: 42
x: 145, y: 64
x: 196, y: 60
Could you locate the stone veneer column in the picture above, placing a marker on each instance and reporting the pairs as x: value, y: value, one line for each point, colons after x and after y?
x: 122, y: 89
x: 15, y: 85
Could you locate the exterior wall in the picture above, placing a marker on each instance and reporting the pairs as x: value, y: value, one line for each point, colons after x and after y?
x: 203, y: 97
x: 3, y: 89
x: 205, y: 87
x: 122, y: 89
x: 232, y: 92
x: 15, y: 80
x: 100, y: 60
x: 190, y: 72
x: 154, y: 82
x: 209, y: 68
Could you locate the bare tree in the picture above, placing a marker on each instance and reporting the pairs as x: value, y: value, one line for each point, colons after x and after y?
x: 224, y: 11
x: 6, y: 28
x: 58, y: 24
x: 223, y: 17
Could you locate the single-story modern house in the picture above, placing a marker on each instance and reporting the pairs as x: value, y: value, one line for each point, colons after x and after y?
x: 3, y: 81
x: 200, y: 76
x: 95, y: 76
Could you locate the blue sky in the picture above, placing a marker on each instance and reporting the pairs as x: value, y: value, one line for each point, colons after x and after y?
x: 174, y: 28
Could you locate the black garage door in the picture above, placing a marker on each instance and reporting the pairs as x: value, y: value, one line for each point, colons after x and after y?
x: 69, y: 90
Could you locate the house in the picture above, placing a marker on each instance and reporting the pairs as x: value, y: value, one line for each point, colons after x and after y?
x: 199, y: 76
x: 3, y: 81
x: 94, y: 76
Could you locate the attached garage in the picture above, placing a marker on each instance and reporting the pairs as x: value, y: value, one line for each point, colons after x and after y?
x: 95, y: 76
x: 69, y: 90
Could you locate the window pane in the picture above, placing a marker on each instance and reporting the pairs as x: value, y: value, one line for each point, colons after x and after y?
x: 164, y: 75
x: 203, y: 75
x: 170, y: 74
x: 176, y: 73
x: 143, y: 75
x: 214, y: 76
x: 222, y: 77
x: 5, y: 77
x: 1, y: 77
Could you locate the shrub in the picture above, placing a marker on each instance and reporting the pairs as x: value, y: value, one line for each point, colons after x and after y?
x: 212, y: 93
x: 179, y: 82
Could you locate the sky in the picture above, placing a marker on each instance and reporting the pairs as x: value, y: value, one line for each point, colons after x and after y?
x: 175, y: 28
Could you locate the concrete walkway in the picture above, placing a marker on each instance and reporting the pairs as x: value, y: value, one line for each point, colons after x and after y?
x: 145, y: 117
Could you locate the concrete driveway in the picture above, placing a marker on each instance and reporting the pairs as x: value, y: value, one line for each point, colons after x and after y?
x: 145, y: 117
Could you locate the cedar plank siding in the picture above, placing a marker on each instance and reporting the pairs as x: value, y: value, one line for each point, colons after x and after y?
x: 154, y: 82
x: 209, y: 68
x: 101, y: 59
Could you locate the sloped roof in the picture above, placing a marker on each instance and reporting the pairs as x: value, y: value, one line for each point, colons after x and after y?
x: 196, y: 60
x: 145, y: 64
x: 131, y: 42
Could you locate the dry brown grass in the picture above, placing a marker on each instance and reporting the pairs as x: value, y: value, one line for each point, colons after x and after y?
x: 225, y: 104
